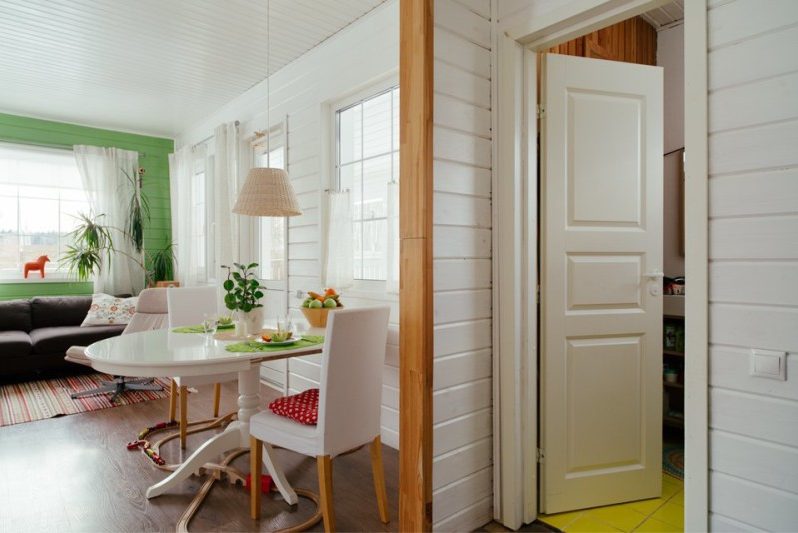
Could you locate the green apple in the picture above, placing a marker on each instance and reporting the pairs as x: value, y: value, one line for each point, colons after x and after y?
x: 307, y: 302
x: 315, y: 304
x: 330, y: 303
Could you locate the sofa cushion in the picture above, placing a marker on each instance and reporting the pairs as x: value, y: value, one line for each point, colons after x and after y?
x: 58, y: 340
x: 15, y: 315
x: 55, y: 311
x: 106, y: 310
x: 14, y: 344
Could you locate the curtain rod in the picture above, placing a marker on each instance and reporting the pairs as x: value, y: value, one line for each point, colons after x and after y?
x: 47, y: 145
x: 208, y: 138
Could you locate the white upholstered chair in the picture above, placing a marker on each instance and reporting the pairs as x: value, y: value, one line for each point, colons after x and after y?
x: 188, y: 306
x: 350, y: 399
x: 150, y: 314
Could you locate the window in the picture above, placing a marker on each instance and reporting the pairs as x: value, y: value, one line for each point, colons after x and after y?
x: 200, y: 213
x: 272, y: 242
x: 367, y: 159
x: 41, y: 194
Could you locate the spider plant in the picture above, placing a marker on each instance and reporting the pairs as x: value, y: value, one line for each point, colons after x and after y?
x: 161, y: 264
x: 138, y: 211
x: 83, y: 262
x: 92, y: 247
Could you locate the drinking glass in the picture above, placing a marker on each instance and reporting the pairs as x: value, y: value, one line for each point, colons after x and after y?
x: 209, y: 324
x: 285, y: 324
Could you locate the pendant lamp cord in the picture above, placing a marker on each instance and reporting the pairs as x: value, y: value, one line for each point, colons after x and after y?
x: 268, y: 72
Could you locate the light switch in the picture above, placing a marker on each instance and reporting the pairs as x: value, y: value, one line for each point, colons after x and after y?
x: 769, y: 364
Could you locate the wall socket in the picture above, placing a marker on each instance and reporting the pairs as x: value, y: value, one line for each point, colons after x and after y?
x: 769, y: 364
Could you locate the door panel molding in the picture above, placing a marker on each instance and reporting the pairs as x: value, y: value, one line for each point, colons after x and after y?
x: 515, y: 227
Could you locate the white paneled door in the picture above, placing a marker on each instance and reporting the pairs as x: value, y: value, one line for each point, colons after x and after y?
x: 601, y: 286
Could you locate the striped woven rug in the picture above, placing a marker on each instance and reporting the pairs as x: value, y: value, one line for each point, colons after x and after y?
x: 47, y: 398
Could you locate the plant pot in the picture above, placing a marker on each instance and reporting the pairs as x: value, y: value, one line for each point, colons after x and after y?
x: 317, y: 318
x: 250, y: 323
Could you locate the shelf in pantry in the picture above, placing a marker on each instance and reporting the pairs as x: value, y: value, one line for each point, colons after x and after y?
x: 673, y: 385
x: 673, y: 353
x: 673, y: 306
x: 673, y: 421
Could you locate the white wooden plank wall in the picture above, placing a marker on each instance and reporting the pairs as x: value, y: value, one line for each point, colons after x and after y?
x: 753, y: 123
x: 347, y: 62
x: 462, y: 443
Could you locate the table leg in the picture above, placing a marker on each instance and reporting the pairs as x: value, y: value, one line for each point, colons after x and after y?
x: 236, y: 435
x: 210, y: 450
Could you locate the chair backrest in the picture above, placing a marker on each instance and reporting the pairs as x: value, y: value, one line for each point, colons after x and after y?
x: 151, y: 312
x: 350, y: 392
x: 189, y: 305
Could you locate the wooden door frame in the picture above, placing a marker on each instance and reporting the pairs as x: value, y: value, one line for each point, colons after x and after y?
x: 515, y: 225
x: 415, y: 292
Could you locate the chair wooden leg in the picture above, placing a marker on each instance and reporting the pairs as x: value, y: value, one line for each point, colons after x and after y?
x: 217, y: 396
x: 324, y: 463
x: 255, y: 472
x: 379, y: 478
x: 172, y: 400
x: 183, y: 415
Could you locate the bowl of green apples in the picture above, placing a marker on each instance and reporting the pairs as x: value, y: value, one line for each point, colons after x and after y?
x: 317, y: 306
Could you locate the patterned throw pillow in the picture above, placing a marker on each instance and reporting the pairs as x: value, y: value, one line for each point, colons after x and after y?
x: 302, y: 407
x: 106, y: 309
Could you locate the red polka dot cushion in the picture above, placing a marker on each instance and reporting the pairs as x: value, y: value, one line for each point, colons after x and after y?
x: 302, y: 407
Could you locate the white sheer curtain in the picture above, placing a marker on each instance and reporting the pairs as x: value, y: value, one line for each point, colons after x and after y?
x: 340, y: 268
x: 392, y: 257
x: 109, y: 190
x: 225, y: 187
x: 186, y: 219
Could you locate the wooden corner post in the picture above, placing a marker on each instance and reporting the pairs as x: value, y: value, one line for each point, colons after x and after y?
x: 415, y: 294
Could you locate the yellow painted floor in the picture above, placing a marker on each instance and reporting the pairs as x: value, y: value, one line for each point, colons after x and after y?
x: 659, y: 514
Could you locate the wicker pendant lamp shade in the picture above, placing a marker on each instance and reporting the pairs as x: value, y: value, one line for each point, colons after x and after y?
x: 267, y: 192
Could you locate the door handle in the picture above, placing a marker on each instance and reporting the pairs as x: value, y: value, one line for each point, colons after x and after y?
x: 654, y: 284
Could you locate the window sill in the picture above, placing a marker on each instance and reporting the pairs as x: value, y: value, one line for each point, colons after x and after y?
x: 37, y: 280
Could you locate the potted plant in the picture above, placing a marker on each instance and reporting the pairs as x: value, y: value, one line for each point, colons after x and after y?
x: 160, y: 265
x: 138, y: 210
x: 93, y: 247
x: 244, y: 292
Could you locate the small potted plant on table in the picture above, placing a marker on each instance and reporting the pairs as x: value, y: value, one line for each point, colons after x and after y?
x: 244, y: 293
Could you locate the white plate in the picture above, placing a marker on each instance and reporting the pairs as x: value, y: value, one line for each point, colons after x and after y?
x: 287, y: 342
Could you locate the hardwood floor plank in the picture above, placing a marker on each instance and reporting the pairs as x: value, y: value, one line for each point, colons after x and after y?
x: 74, y: 473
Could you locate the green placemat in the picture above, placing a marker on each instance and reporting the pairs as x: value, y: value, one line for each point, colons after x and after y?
x: 255, y: 346
x: 199, y: 329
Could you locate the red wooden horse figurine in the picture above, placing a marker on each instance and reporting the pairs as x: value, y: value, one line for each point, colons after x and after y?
x: 36, y: 265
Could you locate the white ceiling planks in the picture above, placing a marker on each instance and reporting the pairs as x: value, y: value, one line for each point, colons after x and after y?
x: 151, y: 66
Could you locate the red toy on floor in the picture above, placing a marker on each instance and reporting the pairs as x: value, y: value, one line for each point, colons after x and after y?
x: 265, y: 483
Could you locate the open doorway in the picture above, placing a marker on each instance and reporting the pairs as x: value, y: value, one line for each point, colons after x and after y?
x: 611, y: 248
x: 521, y: 35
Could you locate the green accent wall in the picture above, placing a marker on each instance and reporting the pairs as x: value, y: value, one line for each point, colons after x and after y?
x: 153, y: 156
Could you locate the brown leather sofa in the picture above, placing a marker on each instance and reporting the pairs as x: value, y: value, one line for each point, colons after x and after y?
x: 35, y: 334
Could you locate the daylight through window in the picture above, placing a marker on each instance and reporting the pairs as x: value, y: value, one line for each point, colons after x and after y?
x: 41, y: 194
x: 367, y: 160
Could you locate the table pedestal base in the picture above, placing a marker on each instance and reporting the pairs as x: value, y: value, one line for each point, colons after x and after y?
x: 235, y: 436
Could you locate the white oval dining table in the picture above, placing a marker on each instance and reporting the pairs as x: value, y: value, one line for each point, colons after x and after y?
x: 162, y: 353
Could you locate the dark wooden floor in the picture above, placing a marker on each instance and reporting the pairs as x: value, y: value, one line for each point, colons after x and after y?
x: 74, y: 474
